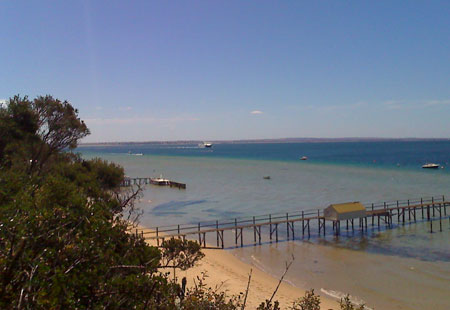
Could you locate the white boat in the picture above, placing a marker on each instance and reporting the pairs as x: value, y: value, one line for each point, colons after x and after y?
x: 135, y: 154
x: 159, y: 181
x: 304, y: 158
x: 207, y: 144
x: 431, y: 166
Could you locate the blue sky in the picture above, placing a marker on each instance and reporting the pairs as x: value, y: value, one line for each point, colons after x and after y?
x: 207, y: 70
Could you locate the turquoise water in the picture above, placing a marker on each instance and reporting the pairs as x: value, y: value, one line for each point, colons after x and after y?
x: 410, y: 155
x: 387, y: 269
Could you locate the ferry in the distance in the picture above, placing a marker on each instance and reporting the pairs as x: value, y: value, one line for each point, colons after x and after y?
x: 431, y: 166
x: 135, y: 154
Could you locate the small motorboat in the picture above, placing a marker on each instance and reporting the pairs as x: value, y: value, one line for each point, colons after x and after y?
x: 431, y: 166
x: 267, y: 177
x: 159, y: 181
x: 303, y: 158
x: 205, y: 144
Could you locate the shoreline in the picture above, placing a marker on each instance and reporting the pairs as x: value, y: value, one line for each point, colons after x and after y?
x: 226, y: 272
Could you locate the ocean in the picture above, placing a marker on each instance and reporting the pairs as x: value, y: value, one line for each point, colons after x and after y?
x: 401, y: 268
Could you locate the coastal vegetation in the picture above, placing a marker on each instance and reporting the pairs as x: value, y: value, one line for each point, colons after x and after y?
x: 65, y: 227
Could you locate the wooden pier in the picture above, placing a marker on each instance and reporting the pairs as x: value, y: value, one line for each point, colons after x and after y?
x: 147, y: 180
x: 377, y: 215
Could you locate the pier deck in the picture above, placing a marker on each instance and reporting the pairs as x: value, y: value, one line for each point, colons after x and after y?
x: 429, y: 209
x: 147, y: 180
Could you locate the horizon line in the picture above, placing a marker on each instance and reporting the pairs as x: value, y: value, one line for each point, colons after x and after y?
x: 271, y: 140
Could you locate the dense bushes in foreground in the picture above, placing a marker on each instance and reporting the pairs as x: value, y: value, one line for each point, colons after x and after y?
x: 64, y: 223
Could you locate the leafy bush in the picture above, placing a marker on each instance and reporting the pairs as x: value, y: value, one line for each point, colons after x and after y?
x: 309, y: 302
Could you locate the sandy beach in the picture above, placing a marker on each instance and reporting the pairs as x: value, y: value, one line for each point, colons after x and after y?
x: 228, y: 273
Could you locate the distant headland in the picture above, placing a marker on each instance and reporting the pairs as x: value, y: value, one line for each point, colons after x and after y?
x: 280, y: 140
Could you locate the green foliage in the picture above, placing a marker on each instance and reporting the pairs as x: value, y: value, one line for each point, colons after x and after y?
x: 201, y: 297
x: 64, y: 243
x: 308, y: 302
x: 346, y: 304
x: 182, y: 254
x: 268, y: 305
x: 34, y: 132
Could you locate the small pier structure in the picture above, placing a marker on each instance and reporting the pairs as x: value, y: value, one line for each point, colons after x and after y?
x: 355, y: 216
x: 127, y: 181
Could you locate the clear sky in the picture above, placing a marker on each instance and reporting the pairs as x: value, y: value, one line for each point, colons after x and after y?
x: 206, y: 70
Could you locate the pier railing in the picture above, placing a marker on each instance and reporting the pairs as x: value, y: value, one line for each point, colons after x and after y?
x: 384, y: 212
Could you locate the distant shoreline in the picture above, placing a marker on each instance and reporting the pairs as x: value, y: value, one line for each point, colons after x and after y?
x: 261, y: 141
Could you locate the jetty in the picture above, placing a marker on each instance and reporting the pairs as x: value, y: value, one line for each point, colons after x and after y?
x: 353, y: 216
x: 127, y: 182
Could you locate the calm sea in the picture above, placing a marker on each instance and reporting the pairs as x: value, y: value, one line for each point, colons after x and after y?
x: 402, y: 268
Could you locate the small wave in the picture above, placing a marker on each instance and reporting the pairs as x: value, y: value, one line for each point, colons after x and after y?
x: 334, y: 294
x: 339, y: 295
x: 257, y: 263
x: 290, y: 282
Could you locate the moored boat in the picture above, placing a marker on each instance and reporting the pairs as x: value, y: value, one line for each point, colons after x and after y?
x: 159, y: 181
x: 303, y: 158
x: 431, y: 166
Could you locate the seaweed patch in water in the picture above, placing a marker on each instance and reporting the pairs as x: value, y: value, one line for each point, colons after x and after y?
x: 220, y: 214
x: 174, y: 207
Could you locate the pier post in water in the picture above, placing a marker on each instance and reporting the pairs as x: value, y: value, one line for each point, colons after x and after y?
x: 432, y: 201
x: 445, y: 205
x: 254, y: 230
x: 421, y: 203
x: 303, y: 223
x: 372, y: 216
x: 318, y: 220
x: 276, y: 232
x: 287, y: 225
x: 236, y: 236
x: 409, y: 212
x: 270, y: 226
x: 217, y: 232
x: 403, y: 216
x: 309, y: 234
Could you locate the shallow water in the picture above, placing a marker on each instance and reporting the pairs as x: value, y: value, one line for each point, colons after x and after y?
x: 402, y: 268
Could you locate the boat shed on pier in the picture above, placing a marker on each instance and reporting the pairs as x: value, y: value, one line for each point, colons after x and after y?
x: 345, y: 211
